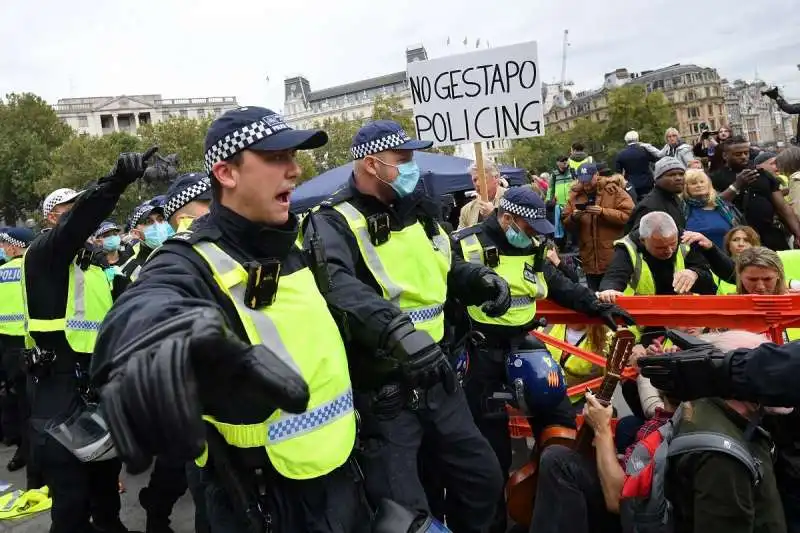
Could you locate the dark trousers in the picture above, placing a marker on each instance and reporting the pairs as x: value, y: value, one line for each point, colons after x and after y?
x: 333, y: 503
x: 593, y: 281
x: 569, y: 498
x: 791, y: 509
x: 469, y: 468
x: 167, y: 484
x: 80, y: 491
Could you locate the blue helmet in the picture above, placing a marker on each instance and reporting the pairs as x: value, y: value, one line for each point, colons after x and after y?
x: 536, y: 378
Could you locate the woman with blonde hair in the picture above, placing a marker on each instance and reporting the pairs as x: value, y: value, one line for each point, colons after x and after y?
x: 704, y: 210
x: 759, y: 270
x: 676, y: 148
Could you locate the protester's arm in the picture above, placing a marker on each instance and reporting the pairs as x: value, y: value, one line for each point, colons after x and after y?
x: 621, y: 212
x: 567, y: 293
x: 463, y: 216
x: 649, y: 396
x: 697, y: 264
x: 609, y: 470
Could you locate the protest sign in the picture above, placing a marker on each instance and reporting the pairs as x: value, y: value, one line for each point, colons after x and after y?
x: 481, y: 96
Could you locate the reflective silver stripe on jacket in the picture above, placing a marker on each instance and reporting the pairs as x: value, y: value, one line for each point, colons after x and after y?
x: 11, y: 318
x: 371, y: 257
x: 474, y: 249
x: 270, y: 338
x: 424, y: 314
x: 135, y: 274
x: 78, y: 320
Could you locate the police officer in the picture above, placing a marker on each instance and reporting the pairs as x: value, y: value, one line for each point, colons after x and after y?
x: 147, y: 224
x: 513, y: 244
x: 392, y: 269
x: 66, y: 299
x: 228, y: 321
x: 187, y: 199
x: 13, y: 243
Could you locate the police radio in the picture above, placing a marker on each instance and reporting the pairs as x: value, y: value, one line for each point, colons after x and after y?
x: 379, y: 228
x: 315, y: 254
x: 262, y: 282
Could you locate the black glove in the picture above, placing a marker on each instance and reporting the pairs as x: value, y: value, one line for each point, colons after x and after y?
x: 690, y: 374
x: 389, y: 401
x: 771, y: 93
x: 130, y: 166
x: 613, y: 314
x: 422, y: 362
x: 495, y: 293
x: 153, y: 402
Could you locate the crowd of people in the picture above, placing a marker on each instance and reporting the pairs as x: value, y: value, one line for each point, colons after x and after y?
x: 348, y: 369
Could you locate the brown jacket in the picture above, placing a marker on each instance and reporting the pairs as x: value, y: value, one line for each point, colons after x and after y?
x: 597, y: 232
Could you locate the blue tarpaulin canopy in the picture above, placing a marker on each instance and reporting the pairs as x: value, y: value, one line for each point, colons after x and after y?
x: 441, y: 174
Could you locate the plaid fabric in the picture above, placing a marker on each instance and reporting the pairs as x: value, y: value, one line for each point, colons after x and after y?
x: 660, y: 417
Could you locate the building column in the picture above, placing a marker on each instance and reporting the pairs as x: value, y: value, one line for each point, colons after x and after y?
x: 116, y: 123
x: 136, y: 121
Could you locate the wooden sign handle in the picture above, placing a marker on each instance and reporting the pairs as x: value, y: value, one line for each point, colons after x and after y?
x: 481, y: 172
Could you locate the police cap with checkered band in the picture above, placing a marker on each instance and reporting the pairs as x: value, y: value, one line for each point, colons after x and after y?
x: 186, y: 188
x: 105, y: 227
x: 255, y: 128
x: 19, y: 237
x: 381, y: 135
x: 529, y: 206
x: 143, y: 210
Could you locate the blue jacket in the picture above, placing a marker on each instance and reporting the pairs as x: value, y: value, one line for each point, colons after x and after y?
x: 634, y: 162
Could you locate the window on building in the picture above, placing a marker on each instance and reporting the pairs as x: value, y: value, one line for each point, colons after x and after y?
x: 83, y: 121
x: 710, y: 110
x: 712, y: 124
x: 693, y: 112
x: 677, y: 80
x: 184, y: 112
x: 690, y: 96
x: 751, y: 124
x: 694, y: 127
x: 721, y: 112
x: 201, y: 113
x: 708, y: 92
x: 217, y: 111
x: 597, y: 117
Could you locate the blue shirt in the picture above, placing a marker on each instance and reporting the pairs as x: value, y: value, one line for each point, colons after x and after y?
x: 709, y: 222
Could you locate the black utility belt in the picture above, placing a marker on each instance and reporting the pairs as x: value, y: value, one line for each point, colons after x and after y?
x: 38, y: 360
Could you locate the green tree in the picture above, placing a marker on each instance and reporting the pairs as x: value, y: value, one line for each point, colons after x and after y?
x: 536, y: 154
x: 337, y: 152
x: 307, y: 166
x: 85, y: 158
x: 631, y: 108
x: 29, y: 131
x: 179, y: 135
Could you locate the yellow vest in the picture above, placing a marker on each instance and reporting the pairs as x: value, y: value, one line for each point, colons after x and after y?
x: 791, y: 262
x: 641, y: 282
x: 299, y: 446
x: 576, y: 370
x: 723, y: 287
x: 88, y: 302
x: 410, y: 268
x: 12, y: 317
x: 525, y: 285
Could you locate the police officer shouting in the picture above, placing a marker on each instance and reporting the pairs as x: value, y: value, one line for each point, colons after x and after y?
x: 227, y: 321
x: 392, y: 270
x: 66, y: 299
x: 512, y: 243
x: 14, y: 242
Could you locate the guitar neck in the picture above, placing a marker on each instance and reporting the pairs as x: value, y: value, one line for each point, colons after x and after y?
x: 585, y: 436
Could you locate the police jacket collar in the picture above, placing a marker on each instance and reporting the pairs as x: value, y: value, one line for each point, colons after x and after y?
x: 494, y: 231
x: 253, y: 240
x: 403, y: 210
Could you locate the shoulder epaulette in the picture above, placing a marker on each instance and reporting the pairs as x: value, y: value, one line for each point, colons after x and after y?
x: 465, y: 232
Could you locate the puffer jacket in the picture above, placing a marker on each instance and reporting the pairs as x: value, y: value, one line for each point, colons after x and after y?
x: 597, y: 233
x: 683, y: 152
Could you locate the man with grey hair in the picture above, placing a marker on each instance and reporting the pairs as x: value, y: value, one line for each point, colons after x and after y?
x: 655, y: 263
x: 712, y: 490
x: 634, y: 162
x: 478, y: 209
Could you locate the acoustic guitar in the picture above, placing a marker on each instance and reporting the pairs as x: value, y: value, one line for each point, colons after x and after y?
x: 521, y: 486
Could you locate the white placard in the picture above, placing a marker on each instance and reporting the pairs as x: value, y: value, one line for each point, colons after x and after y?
x: 480, y: 96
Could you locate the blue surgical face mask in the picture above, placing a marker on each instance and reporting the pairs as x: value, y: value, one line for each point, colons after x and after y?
x: 111, y: 244
x: 407, y: 177
x: 155, y: 234
x: 517, y: 238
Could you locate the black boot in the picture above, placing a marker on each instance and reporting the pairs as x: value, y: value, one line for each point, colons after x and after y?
x: 116, y: 527
x: 17, y: 462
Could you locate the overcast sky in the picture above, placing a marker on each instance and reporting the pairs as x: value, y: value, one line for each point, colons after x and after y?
x: 182, y: 48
